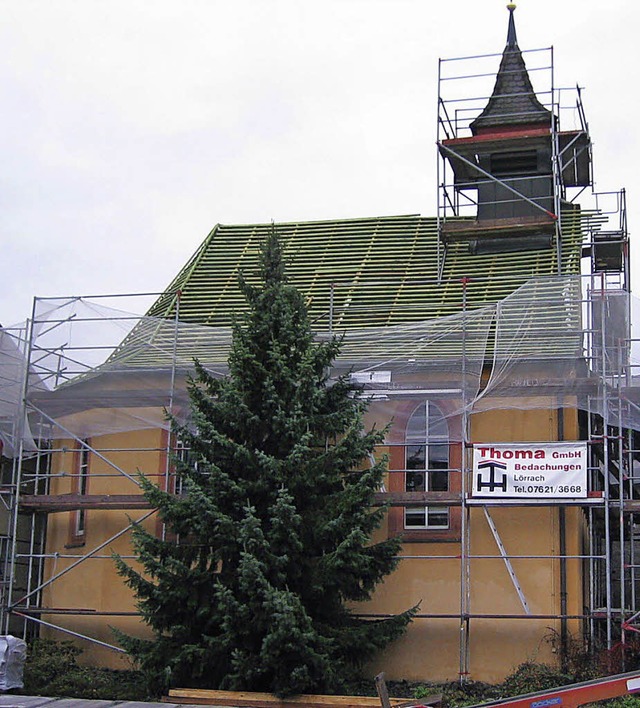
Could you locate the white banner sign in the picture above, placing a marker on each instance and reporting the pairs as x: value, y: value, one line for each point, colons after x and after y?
x: 530, y: 470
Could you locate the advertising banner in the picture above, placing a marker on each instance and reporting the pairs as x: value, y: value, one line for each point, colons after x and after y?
x: 530, y: 470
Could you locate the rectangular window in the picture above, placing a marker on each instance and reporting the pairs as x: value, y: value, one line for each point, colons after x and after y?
x: 524, y: 162
x: 182, y: 455
x: 429, y: 517
x: 80, y: 486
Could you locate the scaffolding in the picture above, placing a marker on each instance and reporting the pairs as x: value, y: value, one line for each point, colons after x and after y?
x: 493, y: 193
x: 83, y: 370
x: 589, y: 365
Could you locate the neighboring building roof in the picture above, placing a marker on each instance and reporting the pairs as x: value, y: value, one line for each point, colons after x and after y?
x: 513, y: 101
x: 360, y: 272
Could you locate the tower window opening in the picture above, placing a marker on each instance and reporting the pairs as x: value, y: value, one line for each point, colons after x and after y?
x: 524, y: 162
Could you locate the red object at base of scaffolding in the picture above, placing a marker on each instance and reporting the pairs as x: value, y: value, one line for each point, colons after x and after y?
x: 576, y: 694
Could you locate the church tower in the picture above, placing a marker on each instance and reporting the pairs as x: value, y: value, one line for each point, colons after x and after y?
x: 512, y: 165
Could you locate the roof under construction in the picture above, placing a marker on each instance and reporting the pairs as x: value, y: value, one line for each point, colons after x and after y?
x: 361, y: 272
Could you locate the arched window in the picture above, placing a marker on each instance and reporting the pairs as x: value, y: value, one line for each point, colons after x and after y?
x: 427, y: 465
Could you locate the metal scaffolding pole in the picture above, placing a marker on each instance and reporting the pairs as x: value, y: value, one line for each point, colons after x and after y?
x: 465, y: 536
x: 21, y: 432
x: 605, y: 463
x: 621, y: 489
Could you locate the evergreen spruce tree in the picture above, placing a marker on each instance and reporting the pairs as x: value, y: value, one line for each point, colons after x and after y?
x: 274, y: 524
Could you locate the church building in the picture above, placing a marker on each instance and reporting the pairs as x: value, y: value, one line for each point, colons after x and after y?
x: 493, y: 338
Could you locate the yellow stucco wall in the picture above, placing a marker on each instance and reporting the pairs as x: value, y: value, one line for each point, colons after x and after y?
x: 94, y: 583
x: 431, y: 648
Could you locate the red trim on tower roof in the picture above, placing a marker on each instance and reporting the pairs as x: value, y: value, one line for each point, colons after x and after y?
x: 505, y: 132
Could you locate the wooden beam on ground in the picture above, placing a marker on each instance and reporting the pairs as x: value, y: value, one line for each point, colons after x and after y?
x: 36, y: 611
x: 386, y: 702
x: 72, y: 502
x: 248, y: 699
x: 383, y: 693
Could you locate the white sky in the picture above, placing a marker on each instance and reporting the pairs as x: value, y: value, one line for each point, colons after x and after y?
x: 131, y: 127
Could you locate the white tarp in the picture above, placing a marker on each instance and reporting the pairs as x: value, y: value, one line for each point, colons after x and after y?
x: 12, y: 366
x: 96, y: 370
x: 13, y: 653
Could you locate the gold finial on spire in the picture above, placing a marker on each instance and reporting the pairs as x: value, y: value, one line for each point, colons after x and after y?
x: 511, y: 33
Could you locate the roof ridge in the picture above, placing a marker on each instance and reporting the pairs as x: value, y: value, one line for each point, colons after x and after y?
x: 368, y: 219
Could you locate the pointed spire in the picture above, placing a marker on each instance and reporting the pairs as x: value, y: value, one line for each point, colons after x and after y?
x: 513, y: 100
x: 512, y: 40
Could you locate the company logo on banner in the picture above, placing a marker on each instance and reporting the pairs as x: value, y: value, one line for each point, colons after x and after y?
x: 530, y: 470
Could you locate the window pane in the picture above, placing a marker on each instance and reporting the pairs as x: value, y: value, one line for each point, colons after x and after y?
x: 439, y: 457
x: 417, y: 425
x: 414, y: 482
x: 438, y: 517
x: 83, y: 469
x: 439, y: 462
x: 416, y: 517
x: 416, y: 457
x: 438, y: 427
x: 439, y: 481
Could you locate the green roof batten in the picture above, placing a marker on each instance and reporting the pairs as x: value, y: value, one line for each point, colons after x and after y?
x: 358, y: 273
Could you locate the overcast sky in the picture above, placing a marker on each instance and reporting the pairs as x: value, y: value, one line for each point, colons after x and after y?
x: 131, y: 127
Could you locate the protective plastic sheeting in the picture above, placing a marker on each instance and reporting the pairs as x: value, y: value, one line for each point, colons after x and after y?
x: 555, y: 341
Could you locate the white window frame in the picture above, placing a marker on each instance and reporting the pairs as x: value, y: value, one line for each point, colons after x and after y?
x: 80, y: 526
x: 426, y: 439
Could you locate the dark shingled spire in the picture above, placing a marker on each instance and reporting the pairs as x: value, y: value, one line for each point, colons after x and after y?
x: 513, y: 100
x: 512, y: 40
